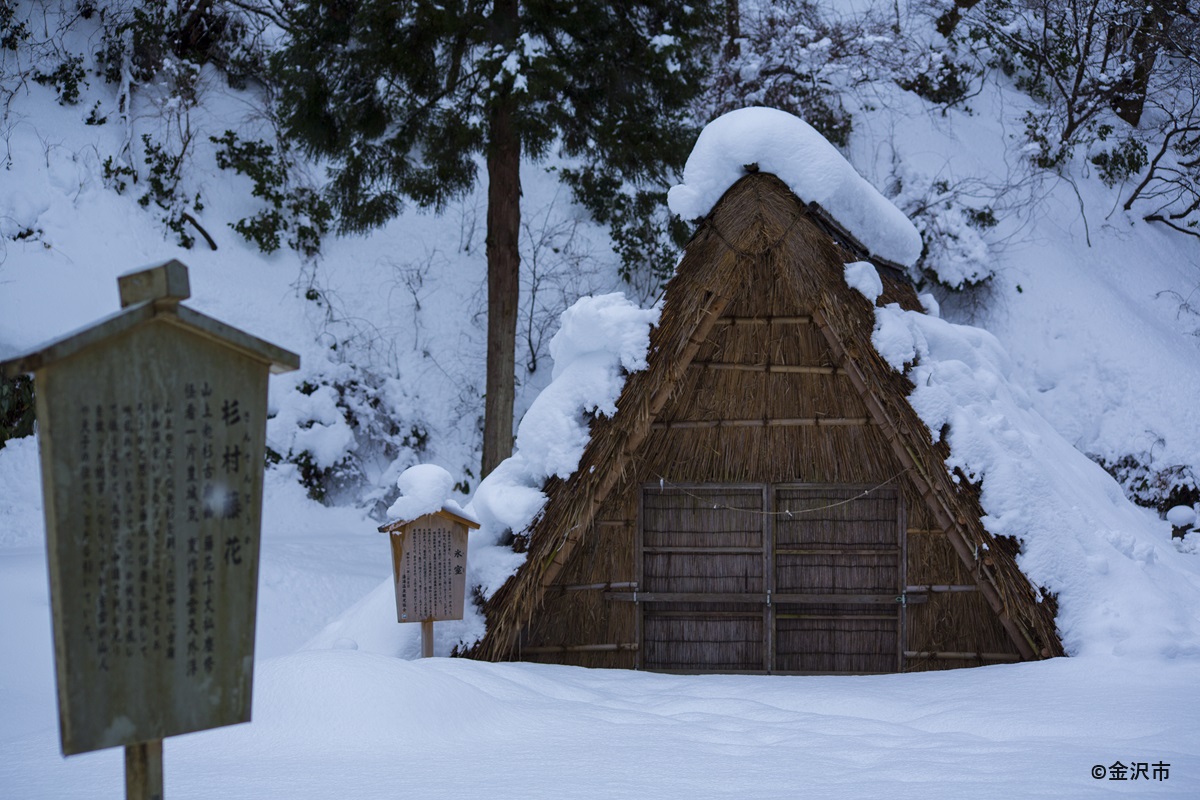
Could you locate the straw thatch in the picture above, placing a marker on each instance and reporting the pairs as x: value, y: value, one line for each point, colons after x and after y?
x: 766, y: 448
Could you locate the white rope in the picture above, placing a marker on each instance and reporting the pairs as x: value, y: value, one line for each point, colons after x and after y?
x: 664, y: 484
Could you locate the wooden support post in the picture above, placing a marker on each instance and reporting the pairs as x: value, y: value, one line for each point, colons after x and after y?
x: 144, y: 771
x: 427, y: 638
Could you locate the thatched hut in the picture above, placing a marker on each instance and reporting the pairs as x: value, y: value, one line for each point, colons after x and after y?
x: 765, y: 499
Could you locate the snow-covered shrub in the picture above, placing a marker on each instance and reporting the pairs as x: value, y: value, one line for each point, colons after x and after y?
x: 1152, y: 485
x: 799, y: 57
x: 348, y: 431
x: 956, y: 255
x: 937, y: 74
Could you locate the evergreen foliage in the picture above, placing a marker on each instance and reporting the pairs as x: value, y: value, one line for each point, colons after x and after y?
x: 404, y: 96
x: 400, y: 94
x: 298, y: 211
x: 16, y: 408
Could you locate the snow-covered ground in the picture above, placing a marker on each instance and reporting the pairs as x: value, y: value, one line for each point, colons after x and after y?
x: 352, y: 713
x: 1100, y: 338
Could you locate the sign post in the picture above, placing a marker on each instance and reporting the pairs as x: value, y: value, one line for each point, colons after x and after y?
x: 429, y: 565
x: 152, y: 429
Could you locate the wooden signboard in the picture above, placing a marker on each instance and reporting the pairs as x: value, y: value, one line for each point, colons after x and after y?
x: 152, y: 430
x: 429, y: 564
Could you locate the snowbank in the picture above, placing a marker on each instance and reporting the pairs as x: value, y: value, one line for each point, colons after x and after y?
x: 1122, y: 586
x: 601, y: 339
x: 21, y: 521
x: 789, y: 148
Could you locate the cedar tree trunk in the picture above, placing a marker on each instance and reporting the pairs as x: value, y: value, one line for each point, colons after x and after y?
x: 503, y: 258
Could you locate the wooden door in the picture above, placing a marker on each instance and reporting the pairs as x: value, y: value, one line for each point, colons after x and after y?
x: 756, y: 578
x: 839, y: 574
x: 703, y: 568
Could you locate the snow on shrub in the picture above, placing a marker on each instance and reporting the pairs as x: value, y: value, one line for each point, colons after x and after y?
x: 345, y: 428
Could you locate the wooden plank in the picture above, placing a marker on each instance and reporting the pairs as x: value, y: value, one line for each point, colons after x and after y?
x: 714, y: 550
x: 884, y: 617
x: 427, y: 638
x: 429, y: 568
x: 80, y: 339
x: 878, y: 551
x: 144, y: 771
x: 901, y: 580
x: 167, y: 281
x: 277, y: 358
x: 790, y: 672
x: 638, y: 575
x: 655, y: 612
x: 280, y: 360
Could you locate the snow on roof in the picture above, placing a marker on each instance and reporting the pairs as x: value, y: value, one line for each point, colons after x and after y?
x: 789, y: 148
x: 600, y: 340
x: 1122, y: 587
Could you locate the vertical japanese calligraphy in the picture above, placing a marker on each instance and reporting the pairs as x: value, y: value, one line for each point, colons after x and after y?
x: 128, y: 565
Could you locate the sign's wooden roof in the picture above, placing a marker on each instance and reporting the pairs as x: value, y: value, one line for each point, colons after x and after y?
x: 445, y: 513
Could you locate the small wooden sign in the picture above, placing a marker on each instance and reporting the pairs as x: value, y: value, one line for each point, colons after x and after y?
x: 429, y: 565
x: 152, y: 429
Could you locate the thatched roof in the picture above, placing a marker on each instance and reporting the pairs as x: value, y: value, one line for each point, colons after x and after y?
x: 759, y: 221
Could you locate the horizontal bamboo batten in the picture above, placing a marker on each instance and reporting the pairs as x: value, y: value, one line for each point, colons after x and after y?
x: 966, y: 587
x: 777, y: 369
x: 802, y: 422
x: 606, y: 586
x: 794, y: 319
x: 582, y: 648
x: 1007, y: 657
x: 751, y: 597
